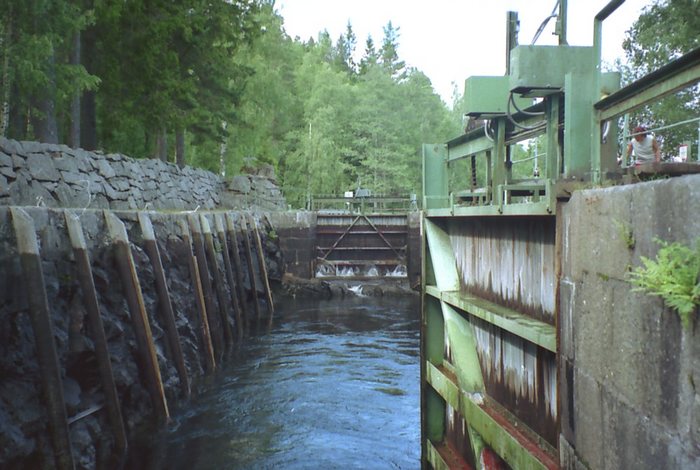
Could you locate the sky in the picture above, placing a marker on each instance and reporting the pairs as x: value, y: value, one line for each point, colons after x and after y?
x: 450, y: 40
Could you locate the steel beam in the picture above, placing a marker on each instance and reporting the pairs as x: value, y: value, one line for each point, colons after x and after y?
x: 676, y: 75
x: 523, y: 326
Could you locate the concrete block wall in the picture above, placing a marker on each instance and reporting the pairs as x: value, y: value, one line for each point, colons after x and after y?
x: 629, y: 373
x: 297, y: 237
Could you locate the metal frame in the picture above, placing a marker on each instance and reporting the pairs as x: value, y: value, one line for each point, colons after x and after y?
x: 453, y: 383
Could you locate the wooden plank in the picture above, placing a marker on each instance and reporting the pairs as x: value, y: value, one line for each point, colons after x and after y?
x: 47, y: 357
x: 139, y: 318
x: 213, y: 262
x: 164, y: 304
x: 205, y: 334
x: 233, y: 288
x: 263, y: 269
x: 205, y: 282
x: 251, y: 270
x: 97, y: 332
x: 237, y: 267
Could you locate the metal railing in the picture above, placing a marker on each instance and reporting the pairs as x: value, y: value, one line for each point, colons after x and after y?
x: 363, y: 205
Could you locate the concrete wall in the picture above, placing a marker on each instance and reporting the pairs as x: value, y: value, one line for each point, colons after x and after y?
x: 629, y: 373
x: 46, y: 175
x: 297, y: 235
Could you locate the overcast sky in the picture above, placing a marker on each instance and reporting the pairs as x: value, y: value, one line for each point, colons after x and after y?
x: 450, y: 40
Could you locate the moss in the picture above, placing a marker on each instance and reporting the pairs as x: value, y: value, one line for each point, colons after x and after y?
x: 626, y: 234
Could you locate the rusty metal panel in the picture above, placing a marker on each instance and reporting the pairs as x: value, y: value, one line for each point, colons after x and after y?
x: 520, y: 376
x: 509, y: 261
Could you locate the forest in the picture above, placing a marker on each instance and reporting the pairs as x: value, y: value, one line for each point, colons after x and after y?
x: 219, y: 84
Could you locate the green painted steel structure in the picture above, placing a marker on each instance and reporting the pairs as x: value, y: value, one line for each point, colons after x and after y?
x: 490, y: 362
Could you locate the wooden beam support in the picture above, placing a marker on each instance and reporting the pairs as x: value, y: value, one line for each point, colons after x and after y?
x: 164, y: 304
x: 207, y: 289
x: 251, y: 269
x: 142, y: 328
x: 263, y: 270
x: 233, y: 288
x: 49, y: 368
x: 104, y: 363
x: 213, y: 262
x: 208, y: 348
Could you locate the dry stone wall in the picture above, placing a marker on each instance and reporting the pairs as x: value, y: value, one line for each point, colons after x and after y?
x: 49, y: 175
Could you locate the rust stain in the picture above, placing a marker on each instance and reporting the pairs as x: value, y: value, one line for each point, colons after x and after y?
x: 520, y: 376
x: 509, y: 261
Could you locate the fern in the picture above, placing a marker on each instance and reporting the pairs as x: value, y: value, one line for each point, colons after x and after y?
x: 673, y: 276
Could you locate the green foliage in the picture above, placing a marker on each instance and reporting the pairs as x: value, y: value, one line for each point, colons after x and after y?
x: 665, y: 30
x: 225, y: 76
x: 673, y: 276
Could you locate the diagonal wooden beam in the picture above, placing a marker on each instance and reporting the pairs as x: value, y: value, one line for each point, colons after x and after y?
x: 381, y: 235
x: 347, y: 230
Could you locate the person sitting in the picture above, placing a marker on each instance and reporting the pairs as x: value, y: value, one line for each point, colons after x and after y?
x: 646, y: 148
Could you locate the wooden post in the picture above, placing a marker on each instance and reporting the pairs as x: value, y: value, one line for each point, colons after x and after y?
x: 164, y: 304
x: 251, y: 269
x: 47, y: 357
x: 218, y: 280
x: 205, y: 280
x: 221, y: 232
x: 238, y: 266
x: 263, y: 269
x: 199, y: 298
x: 139, y: 317
x: 104, y: 364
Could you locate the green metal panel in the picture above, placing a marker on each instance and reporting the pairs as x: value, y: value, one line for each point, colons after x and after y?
x: 578, y: 103
x: 466, y: 149
x: 442, y: 257
x: 538, y: 70
x: 434, y: 331
x: 553, y: 158
x: 487, y: 97
x: 434, y: 418
x: 531, y: 208
x: 507, y: 443
x: 528, y: 328
x: 498, y: 162
x: 460, y: 334
x: 435, y: 176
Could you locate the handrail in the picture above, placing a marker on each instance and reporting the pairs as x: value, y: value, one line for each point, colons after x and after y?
x: 677, y: 74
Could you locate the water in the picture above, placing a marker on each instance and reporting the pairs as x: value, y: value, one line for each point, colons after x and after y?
x: 332, y: 385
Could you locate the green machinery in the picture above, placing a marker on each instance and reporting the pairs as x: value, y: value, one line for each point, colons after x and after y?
x: 492, y: 377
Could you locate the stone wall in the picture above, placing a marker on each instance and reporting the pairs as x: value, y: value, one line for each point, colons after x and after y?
x: 46, y: 175
x: 24, y: 438
x: 629, y: 372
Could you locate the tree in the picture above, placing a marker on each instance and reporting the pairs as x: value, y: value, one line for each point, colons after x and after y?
x: 38, y: 80
x: 388, y: 53
x: 664, y: 31
x: 370, y: 58
x: 344, y: 50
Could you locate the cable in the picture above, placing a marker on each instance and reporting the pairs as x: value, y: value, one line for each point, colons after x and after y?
x: 528, y: 113
x: 544, y: 23
x: 517, y: 124
x: 486, y: 130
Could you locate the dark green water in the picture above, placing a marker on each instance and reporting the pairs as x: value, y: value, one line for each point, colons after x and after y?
x: 331, y: 385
